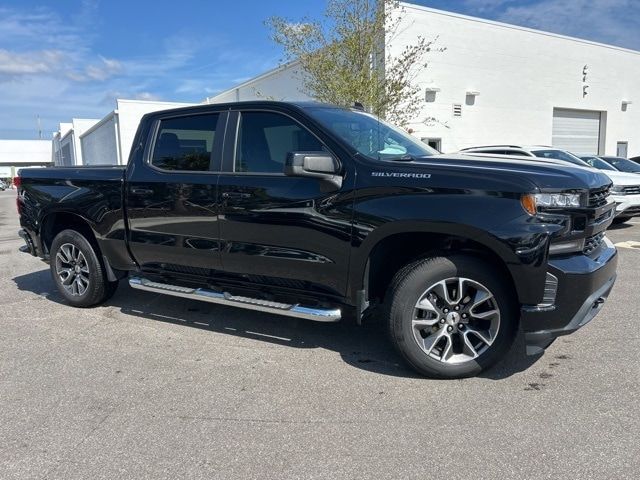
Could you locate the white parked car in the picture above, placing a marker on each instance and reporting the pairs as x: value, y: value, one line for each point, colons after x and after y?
x: 626, y: 186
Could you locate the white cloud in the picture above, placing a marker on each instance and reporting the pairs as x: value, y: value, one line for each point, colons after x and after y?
x: 606, y: 21
x: 14, y: 64
x: 105, y: 69
x: 146, y: 96
x: 484, y: 5
x: 49, y: 66
x: 39, y: 42
x: 25, y: 27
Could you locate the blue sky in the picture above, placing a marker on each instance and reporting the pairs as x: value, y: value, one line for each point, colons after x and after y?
x: 72, y: 58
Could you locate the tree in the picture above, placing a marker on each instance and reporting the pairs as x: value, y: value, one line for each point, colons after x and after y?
x: 344, y: 57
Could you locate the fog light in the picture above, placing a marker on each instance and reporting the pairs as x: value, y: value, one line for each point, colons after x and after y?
x: 566, y: 247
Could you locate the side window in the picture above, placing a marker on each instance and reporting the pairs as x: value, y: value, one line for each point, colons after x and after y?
x: 185, y: 143
x: 496, y: 152
x: 516, y: 152
x: 265, y: 138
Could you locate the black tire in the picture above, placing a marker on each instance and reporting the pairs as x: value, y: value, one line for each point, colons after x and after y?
x: 98, y: 289
x: 411, y: 282
x: 619, y: 220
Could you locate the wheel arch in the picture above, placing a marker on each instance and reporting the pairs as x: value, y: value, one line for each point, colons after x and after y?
x: 388, y: 253
x: 55, y: 222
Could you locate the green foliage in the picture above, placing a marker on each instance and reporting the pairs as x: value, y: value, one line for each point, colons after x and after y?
x: 344, y: 57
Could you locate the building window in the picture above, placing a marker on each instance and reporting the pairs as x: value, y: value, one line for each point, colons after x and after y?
x: 435, y: 143
x: 622, y: 149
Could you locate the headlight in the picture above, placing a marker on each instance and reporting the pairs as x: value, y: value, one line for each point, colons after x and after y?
x: 557, y: 200
x: 617, y: 190
x: 532, y: 202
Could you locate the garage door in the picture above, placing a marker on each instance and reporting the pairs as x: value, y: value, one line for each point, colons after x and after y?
x: 577, y: 131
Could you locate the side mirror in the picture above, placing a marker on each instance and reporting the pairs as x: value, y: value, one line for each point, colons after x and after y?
x: 320, y: 165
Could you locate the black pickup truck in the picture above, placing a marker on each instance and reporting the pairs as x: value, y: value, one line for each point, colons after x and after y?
x: 319, y: 212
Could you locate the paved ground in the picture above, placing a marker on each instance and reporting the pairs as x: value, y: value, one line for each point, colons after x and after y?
x: 153, y: 387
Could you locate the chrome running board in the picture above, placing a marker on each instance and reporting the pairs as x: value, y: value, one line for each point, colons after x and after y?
x: 224, y: 298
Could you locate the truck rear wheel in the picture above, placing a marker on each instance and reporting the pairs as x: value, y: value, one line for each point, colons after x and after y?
x: 451, y: 317
x: 77, y: 271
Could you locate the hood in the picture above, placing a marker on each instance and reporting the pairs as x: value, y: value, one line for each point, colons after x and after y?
x: 622, y: 178
x: 522, y: 171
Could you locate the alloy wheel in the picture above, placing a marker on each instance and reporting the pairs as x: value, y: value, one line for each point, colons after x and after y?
x: 456, y: 320
x: 72, y: 269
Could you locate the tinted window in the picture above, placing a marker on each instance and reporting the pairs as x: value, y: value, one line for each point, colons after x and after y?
x: 265, y: 138
x: 499, y: 151
x: 185, y: 143
x: 489, y: 152
x: 517, y: 153
x: 506, y: 152
x: 598, y: 163
x: 560, y: 155
x: 369, y: 135
x: 623, y: 164
x: 495, y: 152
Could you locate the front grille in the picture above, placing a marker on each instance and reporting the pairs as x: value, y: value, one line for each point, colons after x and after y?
x: 599, y: 197
x: 632, y: 190
x: 591, y: 244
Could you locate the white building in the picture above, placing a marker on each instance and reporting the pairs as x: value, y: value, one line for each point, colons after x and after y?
x: 107, y: 141
x: 281, y: 83
x: 67, y: 149
x: 16, y: 154
x: 496, y: 83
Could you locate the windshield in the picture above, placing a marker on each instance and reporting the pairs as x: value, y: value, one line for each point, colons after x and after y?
x: 369, y: 135
x: 623, y: 164
x: 598, y: 163
x: 560, y: 155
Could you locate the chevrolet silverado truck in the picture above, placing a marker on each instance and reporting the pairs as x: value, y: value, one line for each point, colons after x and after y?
x: 321, y: 213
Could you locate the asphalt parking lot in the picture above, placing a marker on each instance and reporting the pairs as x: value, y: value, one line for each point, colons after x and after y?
x: 155, y: 387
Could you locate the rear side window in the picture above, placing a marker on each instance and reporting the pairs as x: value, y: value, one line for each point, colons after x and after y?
x: 495, y: 152
x: 185, y: 143
x: 265, y: 138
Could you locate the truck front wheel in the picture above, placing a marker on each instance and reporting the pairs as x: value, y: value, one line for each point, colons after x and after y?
x: 77, y: 270
x: 451, y: 317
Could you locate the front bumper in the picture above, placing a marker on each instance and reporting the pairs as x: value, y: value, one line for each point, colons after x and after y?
x: 584, y: 283
x: 627, y: 205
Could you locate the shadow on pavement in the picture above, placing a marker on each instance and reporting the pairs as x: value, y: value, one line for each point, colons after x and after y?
x: 620, y: 226
x: 366, y: 347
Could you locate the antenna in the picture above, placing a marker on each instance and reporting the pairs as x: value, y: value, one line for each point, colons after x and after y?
x: 39, y: 128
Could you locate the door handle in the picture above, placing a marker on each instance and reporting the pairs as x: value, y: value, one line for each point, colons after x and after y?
x: 235, y: 195
x: 141, y: 191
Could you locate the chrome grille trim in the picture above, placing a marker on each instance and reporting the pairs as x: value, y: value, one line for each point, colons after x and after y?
x: 632, y: 190
x: 591, y: 244
x: 598, y: 197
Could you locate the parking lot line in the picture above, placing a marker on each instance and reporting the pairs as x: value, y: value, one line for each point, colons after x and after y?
x: 628, y: 244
